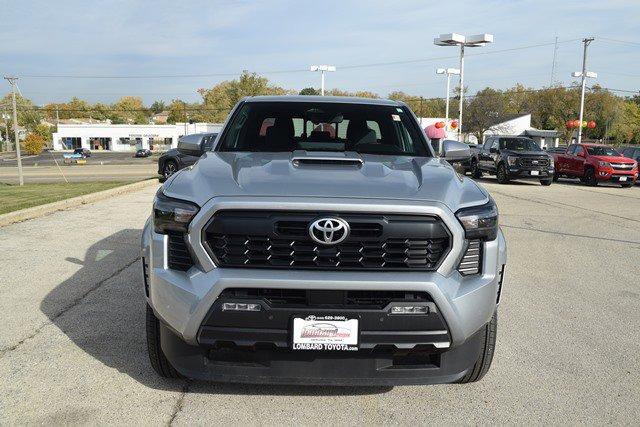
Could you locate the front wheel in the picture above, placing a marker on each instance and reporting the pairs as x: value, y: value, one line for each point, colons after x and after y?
x: 555, y: 176
x: 475, y: 170
x: 482, y: 365
x: 590, y: 177
x: 503, y: 177
x: 545, y: 182
x: 158, y: 360
x: 170, y: 167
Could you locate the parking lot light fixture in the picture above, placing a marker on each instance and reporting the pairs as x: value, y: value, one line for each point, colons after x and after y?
x: 322, y: 69
x: 448, y: 72
x: 455, y: 39
x: 584, y: 74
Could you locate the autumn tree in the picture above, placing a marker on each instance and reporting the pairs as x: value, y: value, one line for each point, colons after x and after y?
x: 129, y: 109
x: 33, y: 143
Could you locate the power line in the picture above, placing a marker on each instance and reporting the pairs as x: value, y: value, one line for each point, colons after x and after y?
x: 619, y: 41
x: 297, y: 70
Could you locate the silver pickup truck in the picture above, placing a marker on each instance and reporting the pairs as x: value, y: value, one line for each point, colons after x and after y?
x: 320, y: 241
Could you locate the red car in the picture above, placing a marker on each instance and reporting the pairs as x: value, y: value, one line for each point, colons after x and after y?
x: 594, y: 163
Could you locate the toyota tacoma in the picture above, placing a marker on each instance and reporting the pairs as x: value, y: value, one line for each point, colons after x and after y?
x: 320, y: 241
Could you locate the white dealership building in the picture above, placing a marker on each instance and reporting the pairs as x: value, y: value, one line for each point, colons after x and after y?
x: 105, y: 136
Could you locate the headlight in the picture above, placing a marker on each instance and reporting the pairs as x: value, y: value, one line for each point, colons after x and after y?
x: 604, y: 164
x: 551, y: 162
x: 172, y: 214
x: 480, y: 222
x: 512, y: 160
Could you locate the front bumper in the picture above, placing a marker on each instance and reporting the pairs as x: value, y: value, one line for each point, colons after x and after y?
x: 516, y: 172
x: 617, y: 176
x: 183, y: 301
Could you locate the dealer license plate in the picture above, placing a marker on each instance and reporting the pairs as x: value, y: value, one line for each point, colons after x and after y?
x: 326, y: 333
x: 534, y: 173
x: 622, y: 178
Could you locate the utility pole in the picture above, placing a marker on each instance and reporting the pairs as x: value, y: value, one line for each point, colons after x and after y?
x: 587, y: 41
x: 12, y: 82
x: 553, y: 64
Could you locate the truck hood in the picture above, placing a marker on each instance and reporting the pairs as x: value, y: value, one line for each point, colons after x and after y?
x: 614, y: 159
x: 276, y: 174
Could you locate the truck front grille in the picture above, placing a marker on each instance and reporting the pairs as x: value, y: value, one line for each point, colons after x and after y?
x: 622, y: 166
x: 272, y: 239
x: 534, y: 163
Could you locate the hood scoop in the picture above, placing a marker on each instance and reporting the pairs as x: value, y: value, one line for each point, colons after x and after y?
x: 347, y: 158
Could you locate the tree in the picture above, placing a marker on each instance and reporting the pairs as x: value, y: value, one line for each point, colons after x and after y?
x: 129, y: 109
x: 29, y: 115
x: 484, y: 110
x: 33, y: 143
x: 218, y: 101
x: 309, y: 91
x: 626, y: 126
x: 157, y: 107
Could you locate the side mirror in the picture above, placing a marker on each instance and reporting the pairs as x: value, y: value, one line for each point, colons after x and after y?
x: 455, y: 151
x: 581, y: 154
x: 190, y: 146
x: 493, y: 150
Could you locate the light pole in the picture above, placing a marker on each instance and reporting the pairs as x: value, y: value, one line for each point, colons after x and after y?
x: 12, y: 82
x: 322, y: 69
x: 454, y: 39
x: 583, y: 74
x: 448, y: 72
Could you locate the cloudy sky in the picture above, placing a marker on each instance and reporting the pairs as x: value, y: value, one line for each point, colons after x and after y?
x: 380, y: 46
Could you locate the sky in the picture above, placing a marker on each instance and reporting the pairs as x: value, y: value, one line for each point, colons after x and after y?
x: 176, y: 48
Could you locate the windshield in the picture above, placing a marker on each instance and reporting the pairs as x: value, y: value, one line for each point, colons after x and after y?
x: 519, y: 144
x: 320, y: 126
x: 601, y: 150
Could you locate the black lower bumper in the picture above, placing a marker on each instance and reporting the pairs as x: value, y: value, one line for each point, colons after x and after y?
x: 517, y: 173
x: 256, y: 347
x: 272, y: 365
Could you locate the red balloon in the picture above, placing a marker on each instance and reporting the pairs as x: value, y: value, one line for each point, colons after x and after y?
x: 576, y: 123
x: 454, y: 124
x: 569, y: 124
x: 591, y: 124
x: 439, y: 125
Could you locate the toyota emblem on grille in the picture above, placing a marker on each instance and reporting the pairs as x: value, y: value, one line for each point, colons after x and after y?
x: 329, y: 231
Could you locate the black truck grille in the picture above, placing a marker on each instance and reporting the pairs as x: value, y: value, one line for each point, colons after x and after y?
x: 271, y: 239
x: 534, y: 163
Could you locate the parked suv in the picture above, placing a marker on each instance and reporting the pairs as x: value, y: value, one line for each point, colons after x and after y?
x: 509, y: 157
x: 321, y: 242
x: 190, y: 148
x: 595, y: 163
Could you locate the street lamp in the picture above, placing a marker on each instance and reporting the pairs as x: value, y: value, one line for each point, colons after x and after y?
x: 448, y: 72
x: 454, y: 39
x: 322, y: 69
x: 584, y: 76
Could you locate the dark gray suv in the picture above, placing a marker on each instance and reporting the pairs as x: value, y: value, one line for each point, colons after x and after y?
x: 322, y: 242
x: 189, y: 150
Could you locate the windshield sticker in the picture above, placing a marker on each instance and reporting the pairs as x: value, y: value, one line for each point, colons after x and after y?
x: 395, y: 117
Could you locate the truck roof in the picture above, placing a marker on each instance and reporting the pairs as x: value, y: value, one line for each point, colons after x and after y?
x: 327, y: 99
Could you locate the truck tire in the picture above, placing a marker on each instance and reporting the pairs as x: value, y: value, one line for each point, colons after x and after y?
x: 555, y: 177
x: 545, y: 182
x: 475, y: 170
x: 590, y: 177
x: 502, y: 175
x: 482, y: 365
x: 170, y: 167
x: 157, y: 358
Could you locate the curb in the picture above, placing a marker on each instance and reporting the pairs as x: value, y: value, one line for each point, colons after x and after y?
x: 42, y: 210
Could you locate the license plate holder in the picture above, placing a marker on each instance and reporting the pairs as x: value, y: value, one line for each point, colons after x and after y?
x: 324, y: 333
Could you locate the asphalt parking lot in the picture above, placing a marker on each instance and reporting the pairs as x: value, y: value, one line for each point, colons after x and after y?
x: 72, y: 345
